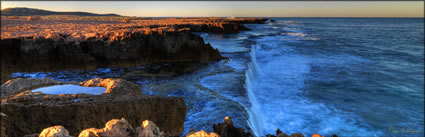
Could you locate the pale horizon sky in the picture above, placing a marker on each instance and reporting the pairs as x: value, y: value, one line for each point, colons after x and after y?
x: 234, y: 8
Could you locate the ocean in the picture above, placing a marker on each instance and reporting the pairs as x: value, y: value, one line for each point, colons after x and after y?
x: 343, y: 76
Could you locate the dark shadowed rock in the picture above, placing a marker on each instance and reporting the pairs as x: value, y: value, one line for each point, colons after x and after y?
x: 226, y: 129
x: 164, y: 70
x: 296, y: 135
x: 130, y: 49
x: 149, y: 129
x: 280, y: 133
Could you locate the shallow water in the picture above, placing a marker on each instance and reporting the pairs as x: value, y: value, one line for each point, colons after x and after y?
x: 70, y: 89
x: 350, y: 77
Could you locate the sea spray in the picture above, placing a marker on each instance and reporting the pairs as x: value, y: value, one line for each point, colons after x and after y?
x: 255, y: 121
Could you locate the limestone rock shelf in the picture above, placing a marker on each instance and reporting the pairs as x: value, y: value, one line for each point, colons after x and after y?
x: 29, y: 112
x: 50, y: 45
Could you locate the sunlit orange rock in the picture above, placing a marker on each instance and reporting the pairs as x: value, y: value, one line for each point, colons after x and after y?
x: 114, y: 86
x: 55, y: 131
x: 113, y: 128
x: 202, y: 133
x: 316, y: 135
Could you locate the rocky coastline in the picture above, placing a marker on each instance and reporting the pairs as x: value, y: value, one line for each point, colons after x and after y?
x: 39, y: 46
x: 30, y: 114
x: 113, y: 44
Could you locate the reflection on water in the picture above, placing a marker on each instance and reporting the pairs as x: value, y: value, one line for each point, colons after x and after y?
x: 70, y: 89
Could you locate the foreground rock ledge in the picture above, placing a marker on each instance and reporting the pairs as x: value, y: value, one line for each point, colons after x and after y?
x: 31, y: 112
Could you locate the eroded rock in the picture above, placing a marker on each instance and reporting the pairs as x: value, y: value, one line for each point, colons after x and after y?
x: 14, y: 86
x: 114, y: 86
x: 54, y: 131
x: 125, y: 49
x: 113, y: 128
x: 81, y: 111
x: 202, y: 133
x: 226, y: 129
x: 149, y: 129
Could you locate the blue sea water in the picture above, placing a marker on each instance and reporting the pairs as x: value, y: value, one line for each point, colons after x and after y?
x: 344, y: 76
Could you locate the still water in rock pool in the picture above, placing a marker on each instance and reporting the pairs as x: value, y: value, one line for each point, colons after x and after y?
x: 344, y: 76
x: 70, y: 89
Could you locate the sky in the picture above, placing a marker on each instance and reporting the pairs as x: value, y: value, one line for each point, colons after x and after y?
x: 234, y: 8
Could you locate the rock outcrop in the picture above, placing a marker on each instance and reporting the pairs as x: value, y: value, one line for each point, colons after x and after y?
x: 30, y: 112
x: 14, y: 86
x: 149, y: 129
x: 87, y: 44
x: 202, y: 133
x: 281, y: 134
x: 114, y: 86
x: 226, y: 129
x: 55, y: 131
x: 113, y: 128
x: 128, y: 49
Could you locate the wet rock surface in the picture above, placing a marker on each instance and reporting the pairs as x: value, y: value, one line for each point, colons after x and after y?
x: 164, y: 70
x: 30, y: 112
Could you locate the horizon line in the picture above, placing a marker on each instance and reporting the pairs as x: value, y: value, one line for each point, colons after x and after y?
x: 264, y: 16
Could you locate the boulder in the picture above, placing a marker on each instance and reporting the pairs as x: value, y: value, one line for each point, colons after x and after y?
x: 226, y: 129
x: 54, y: 131
x: 149, y: 129
x: 316, y: 135
x: 113, y: 128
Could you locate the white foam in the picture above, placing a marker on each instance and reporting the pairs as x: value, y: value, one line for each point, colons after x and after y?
x: 278, y: 97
